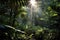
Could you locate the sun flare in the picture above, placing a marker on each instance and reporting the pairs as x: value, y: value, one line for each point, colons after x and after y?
x: 33, y: 2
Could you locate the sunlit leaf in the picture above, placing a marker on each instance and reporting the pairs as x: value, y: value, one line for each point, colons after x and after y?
x: 49, y: 8
x: 58, y: 4
x: 41, y: 18
x: 55, y: 14
x: 31, y: 35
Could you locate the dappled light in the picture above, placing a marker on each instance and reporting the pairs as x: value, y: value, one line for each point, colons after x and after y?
x: 29, y: 20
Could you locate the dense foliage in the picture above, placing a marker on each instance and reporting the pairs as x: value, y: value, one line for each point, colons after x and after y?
x: 14, y: 19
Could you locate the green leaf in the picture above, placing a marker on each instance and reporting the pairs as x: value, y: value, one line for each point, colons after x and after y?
x: 55, y: 14
x: 49, y: 8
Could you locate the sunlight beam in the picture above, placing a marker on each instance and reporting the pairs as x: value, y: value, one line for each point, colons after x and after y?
x: 33, y: 2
